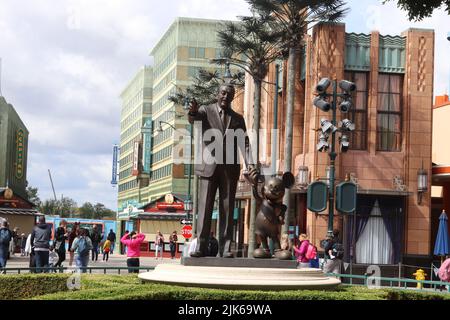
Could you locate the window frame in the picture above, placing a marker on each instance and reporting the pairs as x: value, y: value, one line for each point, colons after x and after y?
x: 351, y: 76
x: 390, y: 113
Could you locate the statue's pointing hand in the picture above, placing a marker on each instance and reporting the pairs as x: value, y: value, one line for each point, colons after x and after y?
x: 253, y: 175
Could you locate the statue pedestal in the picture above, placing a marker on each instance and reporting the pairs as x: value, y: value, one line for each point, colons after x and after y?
x: 240, y: 277
x: 238, y: 262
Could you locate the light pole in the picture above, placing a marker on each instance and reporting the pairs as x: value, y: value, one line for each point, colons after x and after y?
x: 328, y: 128
x: 160, y: 129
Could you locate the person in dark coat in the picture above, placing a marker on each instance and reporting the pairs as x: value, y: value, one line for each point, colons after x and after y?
x: 5, y: 239
x: 213, y: 246
x: 40, y: 237
x: 112, y: 237
x: 96, y: 237
x: 61, y: 236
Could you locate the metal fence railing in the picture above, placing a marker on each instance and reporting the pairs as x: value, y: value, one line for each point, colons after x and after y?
x: 401, y: 283
x: 88, y: 269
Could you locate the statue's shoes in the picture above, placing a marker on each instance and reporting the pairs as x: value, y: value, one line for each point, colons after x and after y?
x: 228, y: 255
x: 197, y: 254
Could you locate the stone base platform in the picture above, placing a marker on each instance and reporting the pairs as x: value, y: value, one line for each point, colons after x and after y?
x: 239, y: 262
x: 240, y: 278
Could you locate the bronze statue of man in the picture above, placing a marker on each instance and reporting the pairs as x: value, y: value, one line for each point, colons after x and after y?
x: 216, y: 171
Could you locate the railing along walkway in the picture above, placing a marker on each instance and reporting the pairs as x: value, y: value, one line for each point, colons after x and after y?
x: 401, y: 283
x: 88, y: 269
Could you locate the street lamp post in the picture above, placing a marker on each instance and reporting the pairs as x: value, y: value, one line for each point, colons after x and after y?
x: 328, y: 128
x: 189, y: 198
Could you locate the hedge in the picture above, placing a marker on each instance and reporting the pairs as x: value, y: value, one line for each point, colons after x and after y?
x: 130, y: 287
x: 23, y: 286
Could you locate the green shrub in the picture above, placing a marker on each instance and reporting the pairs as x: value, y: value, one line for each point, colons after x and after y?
x: 130, y: 287
x: 23, y: 286
x: 396, y: 294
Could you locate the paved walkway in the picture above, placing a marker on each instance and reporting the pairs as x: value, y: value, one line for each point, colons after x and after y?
x: 115, y: 260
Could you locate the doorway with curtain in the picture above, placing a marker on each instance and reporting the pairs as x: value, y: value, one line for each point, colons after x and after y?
x: 375, y: 237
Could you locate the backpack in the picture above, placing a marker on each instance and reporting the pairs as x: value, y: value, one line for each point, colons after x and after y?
x: 338, y: 251
x: 83, y: 247
x: 444, y: 271
x: 311, y: 253
x: 5, y: 237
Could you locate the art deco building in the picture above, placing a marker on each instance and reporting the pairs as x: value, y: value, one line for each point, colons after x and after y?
x: 391, y: 144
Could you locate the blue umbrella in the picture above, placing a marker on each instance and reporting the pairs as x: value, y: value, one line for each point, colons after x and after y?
x: 441, y: 247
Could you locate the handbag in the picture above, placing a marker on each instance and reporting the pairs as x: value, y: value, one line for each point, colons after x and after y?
x: 58, y: 245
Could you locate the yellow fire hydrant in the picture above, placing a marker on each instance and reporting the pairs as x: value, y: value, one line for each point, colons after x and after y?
x: 420, y: 275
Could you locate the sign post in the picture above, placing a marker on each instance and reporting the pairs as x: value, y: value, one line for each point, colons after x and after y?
x: 186, y: 231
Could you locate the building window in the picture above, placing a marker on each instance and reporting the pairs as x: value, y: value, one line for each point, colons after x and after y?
x: 196, y: 53
x: 201, y: 53
x: 192, y: 52
x: 378, y: 233
x: 358, y: 114
x: 389, y: 112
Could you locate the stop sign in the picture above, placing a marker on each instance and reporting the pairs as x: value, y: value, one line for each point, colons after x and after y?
x: 186, y: 231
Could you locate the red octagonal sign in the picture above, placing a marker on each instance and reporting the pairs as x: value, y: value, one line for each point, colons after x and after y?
x: 186, y: 231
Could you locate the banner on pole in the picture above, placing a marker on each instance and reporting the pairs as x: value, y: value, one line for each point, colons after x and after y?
x: 114, y: 166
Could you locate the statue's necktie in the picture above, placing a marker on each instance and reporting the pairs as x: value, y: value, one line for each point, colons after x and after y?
x: 223, y: 118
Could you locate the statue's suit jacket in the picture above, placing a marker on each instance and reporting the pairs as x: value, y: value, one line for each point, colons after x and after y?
x: 210, y: 119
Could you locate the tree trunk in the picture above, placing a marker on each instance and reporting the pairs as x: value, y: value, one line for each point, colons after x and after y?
x: 289, y: 130
x: 255, y: 150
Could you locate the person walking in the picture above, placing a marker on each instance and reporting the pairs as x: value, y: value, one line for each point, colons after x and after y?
x: 53, y: 259
x: 159, y: 242
x: 213, y: 246
x: 40, y: 237
x: 82, y: 245
x: 301, y: 250
x: 61, y: 236
x: 333, y: 254
x: 96, y: 237
x: 173, y: 239
x: 14, y: 241
x: 106, y: 249
x: 22, y: 243
x: 112, y: 238
x: 5, y: 239
x: 29, y: 250
x: 133, y: 242
x: 74, y: 232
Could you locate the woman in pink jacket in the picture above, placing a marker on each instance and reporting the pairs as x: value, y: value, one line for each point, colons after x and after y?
x: 300, y: 252
x: 133, y: 242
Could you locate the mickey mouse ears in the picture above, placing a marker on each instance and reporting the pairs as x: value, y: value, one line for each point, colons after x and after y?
x: 288, y: 180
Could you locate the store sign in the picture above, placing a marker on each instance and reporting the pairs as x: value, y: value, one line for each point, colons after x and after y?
x: 163, y: 206
x: 147, y: 134
x: 135, y: 169
x: 114, y: 166
x: 20, y: 136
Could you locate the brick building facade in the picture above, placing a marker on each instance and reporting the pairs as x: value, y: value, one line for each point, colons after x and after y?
x: 392, y: 141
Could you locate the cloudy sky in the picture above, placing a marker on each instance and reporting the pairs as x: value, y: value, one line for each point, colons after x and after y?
x: 65, y: 63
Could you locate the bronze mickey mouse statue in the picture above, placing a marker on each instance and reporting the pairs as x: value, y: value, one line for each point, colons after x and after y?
x: 270, y: 216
